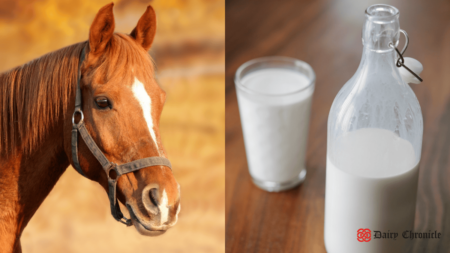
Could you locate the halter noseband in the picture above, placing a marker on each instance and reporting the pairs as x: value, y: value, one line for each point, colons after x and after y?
x: 106, y: 164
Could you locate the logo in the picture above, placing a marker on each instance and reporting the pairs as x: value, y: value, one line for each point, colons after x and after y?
x: 364, y: 235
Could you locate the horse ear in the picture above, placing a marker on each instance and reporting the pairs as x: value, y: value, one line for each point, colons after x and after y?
x: 145, y: 30
x: 102, y: 29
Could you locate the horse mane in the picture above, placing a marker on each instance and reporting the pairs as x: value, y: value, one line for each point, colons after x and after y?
x: 34, y: 95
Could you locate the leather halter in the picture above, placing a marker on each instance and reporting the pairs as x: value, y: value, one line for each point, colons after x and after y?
x: 106, y: 164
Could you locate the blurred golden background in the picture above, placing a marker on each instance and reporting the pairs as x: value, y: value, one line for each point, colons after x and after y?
x: 190, y: 55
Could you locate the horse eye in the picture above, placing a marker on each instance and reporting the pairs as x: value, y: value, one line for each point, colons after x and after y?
x: 103, y: 102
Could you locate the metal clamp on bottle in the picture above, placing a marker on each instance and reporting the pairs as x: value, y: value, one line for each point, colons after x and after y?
x: 416, y: 65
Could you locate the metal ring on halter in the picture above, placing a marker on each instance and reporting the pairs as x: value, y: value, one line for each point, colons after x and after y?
x: 77, y: 110
x: 108, y: 171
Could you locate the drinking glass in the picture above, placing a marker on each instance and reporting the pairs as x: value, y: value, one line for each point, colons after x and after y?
x: 274, y: 96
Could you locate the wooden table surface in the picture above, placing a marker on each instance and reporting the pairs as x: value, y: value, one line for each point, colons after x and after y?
x: 327, y: 35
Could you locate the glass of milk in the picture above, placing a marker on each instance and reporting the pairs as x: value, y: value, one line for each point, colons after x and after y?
x: 274, y: 96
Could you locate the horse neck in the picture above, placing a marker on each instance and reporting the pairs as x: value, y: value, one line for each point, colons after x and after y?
x: 25, y: 181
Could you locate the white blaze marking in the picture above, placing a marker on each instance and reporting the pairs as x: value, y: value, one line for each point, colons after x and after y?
x: 146, y: 103
x: 164, y: 208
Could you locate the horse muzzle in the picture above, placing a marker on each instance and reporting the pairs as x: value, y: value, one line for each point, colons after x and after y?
x: 154, y: 216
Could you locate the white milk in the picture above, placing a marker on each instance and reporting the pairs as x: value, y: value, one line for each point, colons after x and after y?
x: 370, y: 183
x: 276, y: 127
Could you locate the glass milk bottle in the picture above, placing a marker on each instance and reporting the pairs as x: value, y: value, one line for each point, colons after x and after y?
x: 373, y: 152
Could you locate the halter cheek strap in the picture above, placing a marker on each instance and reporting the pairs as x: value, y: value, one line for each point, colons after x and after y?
x: 108, y: 166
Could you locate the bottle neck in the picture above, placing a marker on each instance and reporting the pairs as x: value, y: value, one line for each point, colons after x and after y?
x: 378, y: 59
x: 381, y: 28
x: 381, y: 31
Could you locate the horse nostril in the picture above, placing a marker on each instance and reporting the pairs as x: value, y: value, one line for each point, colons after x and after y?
x: 150, y: 199
x: 154, y: 196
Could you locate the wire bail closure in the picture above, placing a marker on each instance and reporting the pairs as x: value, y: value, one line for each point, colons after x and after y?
x: 401, y: 61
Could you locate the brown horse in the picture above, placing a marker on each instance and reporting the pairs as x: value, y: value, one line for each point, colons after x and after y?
x: 122, y: 104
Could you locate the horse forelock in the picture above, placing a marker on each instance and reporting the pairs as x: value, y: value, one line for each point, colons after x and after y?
x: 125, y: 59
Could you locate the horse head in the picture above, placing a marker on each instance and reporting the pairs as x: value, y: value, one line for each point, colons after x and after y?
x: 122, y: 104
